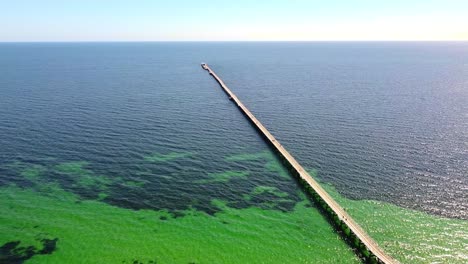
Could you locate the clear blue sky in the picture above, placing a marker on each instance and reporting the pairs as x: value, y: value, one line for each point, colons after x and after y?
x: 173, y: 20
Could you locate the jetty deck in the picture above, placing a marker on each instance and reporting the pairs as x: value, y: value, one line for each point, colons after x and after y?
x: 376, y: 253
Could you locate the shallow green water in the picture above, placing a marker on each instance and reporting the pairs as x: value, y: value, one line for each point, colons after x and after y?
x: 94, y: 232
x: 408, y: 235
x: 85, y: 228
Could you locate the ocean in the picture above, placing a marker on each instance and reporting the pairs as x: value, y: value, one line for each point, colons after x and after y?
x: 131, y: 153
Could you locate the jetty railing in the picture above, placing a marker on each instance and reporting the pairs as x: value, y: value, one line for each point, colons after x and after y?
x: 365, y: 245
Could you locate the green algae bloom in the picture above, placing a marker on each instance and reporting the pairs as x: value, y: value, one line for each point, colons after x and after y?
x: 272, y: 163
x: 269, y: 189
x: 409, y: 236
x: 33, y: 173
x: 82, y: 176
x: 248, y: 156
x: 92, y: 232
x: 46, y: 224
x: 76, y: 168
x: 224, y: 176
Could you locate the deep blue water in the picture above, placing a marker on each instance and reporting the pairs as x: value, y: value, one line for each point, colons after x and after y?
x: 383, y: 121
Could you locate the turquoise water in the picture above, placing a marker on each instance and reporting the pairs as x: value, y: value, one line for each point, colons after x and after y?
x: 112, y: 146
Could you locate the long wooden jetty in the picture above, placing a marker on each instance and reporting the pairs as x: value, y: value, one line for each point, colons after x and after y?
x: 367, y: 247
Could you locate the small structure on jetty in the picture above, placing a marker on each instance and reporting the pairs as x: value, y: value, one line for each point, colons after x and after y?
x: 360, y: 240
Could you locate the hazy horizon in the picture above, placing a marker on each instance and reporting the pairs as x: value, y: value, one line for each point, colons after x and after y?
x: 230, y: 41
x: 277, y: 20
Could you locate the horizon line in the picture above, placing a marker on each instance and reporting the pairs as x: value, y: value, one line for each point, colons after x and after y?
x: 168, y: 41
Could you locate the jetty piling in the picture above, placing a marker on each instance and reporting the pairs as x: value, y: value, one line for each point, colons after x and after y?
x: 367, y: 247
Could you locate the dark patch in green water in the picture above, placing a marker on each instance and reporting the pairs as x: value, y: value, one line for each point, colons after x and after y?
x: 13, y: 253
x: 49, y: 246
x: 155, y: 183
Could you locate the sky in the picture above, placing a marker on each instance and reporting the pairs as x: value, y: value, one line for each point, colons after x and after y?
x: 233, y: 20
